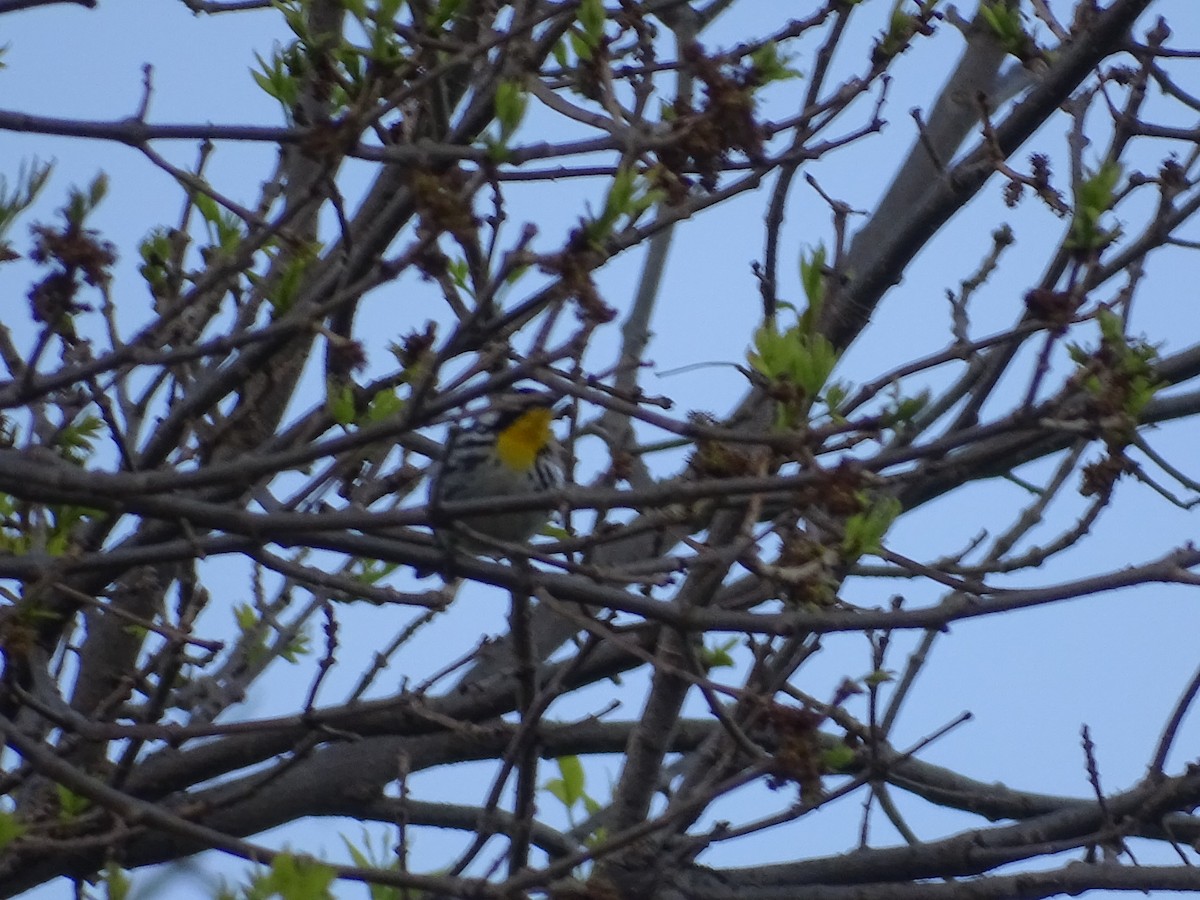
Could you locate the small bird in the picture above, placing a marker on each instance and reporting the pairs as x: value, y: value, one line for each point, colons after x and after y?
x: 509, y: 449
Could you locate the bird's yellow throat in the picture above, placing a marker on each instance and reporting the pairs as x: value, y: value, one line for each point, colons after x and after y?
x: 518, y: 444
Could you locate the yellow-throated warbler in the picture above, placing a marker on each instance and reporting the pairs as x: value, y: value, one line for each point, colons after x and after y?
x: 507, y: 450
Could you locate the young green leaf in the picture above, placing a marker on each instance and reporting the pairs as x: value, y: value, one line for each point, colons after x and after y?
x: 372, y: 859
x: 812, y: 279
x: 770, y: 66
x: 340, y: 403
x: 116, y: 882
x: 571, y: 770
x: 838, y: 759
x: 299, y: 878
x: 70, y: 805
x: 511, y: 102
x: 1094, y: 197
x: 591, y: 17
x: 865, y: 530
x: 1005, y: 22
x: 31, y: 179
x: 10, y: 829
x: 718, y: 656
x: 383, y: 406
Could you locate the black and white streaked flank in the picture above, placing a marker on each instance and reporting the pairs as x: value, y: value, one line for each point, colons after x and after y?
x: 474, y: 468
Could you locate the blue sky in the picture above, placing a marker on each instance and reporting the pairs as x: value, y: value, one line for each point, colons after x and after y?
x: 1116, y: 662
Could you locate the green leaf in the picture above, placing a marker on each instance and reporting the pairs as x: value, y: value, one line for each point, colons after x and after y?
x: 569, y: 789
x: 370, y: 571
x: 460, y: 273
x: 556, y: 532
x: 1005, y: 23
x: 31, y: 178
x: 155, y: 251
x: 628, y: 197
x: 812, y: 278
x: 291, y: 278
x: 80, y: 204
x: 515, y: 274
x: 900, y: 28
x: 560, y: 54
x: 792, y: 356
x: 277, y: 78
x: 1112, y: 329
x: 497, y: 153
x: 835, y: 395
x: 1128, y: 379
x: 376, y: 860
x: 1093, y: 198
x: 116, y: 882
x: 579, y: 44
x: 620, y: 194
x: 207, y: 207
x: 838, y: 759
x: 340, y: 403
x: 77, y: 440
x: 718, y: 656
x: 769, y: 66
x: 70, y: 805
x: 351, y: 58
x: 511, y: 102
x: 10, y: 829
x: 814, y: 367
x: 98, y: 190
x: 296, y: 648
x: 571, y: 770
x: 386, y: 50
x: 253, y: 635
x: 360, y: 858
x: 63, y: 525
x: 878, y: 677
x: 559, y: 790
x: 906, y: 408
x: 263, y: 81
x: 865, y: 530
x: 383, y: 406
x: 591, y: 16
x: 228, y: 233
x: 246, y: 617
x: 299, y: 878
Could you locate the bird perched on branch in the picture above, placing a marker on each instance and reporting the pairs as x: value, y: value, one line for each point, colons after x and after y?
x: 508, y: 450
